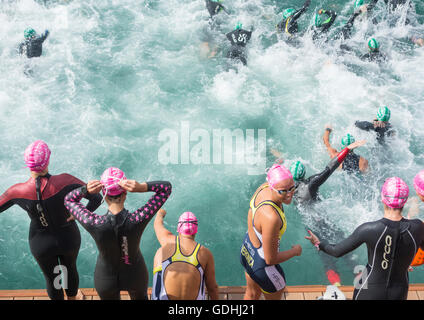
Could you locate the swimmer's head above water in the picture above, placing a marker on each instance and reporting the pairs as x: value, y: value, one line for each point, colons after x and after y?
x: 298, y: 171
x: 394, y: 193
x: 29, y: 33
x: 373, y: 45
x: 347, y: 140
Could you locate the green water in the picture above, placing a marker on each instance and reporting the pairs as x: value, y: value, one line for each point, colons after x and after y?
x: 118, y: 76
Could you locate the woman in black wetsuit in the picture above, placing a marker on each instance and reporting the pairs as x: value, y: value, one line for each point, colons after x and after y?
x: 54, y: 239
x: 120, y: 264
x: 392, y: 243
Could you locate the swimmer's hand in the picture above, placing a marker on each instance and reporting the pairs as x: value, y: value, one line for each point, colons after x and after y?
x: 133, y: 186
x: 94, y: 186
x: 328, y: 127
x: 313, y: 238
x: 297, y: 250
x: 278, y: 155
x: 379, y: 124
x: 356, y: 144
x: 161, y: 213
x: 364, y: 8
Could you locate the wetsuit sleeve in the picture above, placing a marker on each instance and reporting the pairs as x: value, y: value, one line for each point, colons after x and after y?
x: 44, y: 35
x: 317, y: 180
x: 87, y: 218
x: 351, y: 243
x: 162, y: 190
x: 346, y: 31
x: 364, y: 125
x: 94, y: 201
x: 6, y: 201
x: 299, y: 12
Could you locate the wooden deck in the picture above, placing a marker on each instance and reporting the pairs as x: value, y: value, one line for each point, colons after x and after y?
x: 416, y: 292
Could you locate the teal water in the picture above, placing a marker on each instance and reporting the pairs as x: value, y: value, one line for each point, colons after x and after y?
x: 120, y: 81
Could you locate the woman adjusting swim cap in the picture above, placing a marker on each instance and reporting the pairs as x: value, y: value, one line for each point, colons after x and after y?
x: 110, y: 180
x: 187, y: 224
x: 37, y: 156
x: 394, y: 193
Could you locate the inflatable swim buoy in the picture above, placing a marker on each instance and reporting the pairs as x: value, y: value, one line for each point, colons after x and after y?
x: 418, y: 259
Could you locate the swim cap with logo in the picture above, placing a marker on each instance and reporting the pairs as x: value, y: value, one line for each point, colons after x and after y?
x: 277, y: 173
x: 288, y: 12
x: 383, y: 114
x: 394, y: 193
x: 347, y: 140
x: 419, y: 183
x: 37, y: 156
x: 187, y: 224
x: 373, y: 44
x: 318, y: 20
x: 238, y: 26
x: 298, y: 171
x: 29, y: 32
x: 110, y: 180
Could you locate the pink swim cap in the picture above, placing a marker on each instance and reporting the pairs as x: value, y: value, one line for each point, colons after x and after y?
x: 419, y: 183
x: 37, y: 156
x: 110, y: 179
x: 394, y: 192
x: 278, y: 173
x: 187, y: 224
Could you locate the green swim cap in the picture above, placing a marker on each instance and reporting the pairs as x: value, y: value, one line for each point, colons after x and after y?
x: 288, y: 12
x: 297, y: 170
x: 358, y: 3
x: 383, y: 114
x: 238, y: 26
x: 318, y: 20
x: 373, y: 44
x: 29, y: 32
x: 347, y: 140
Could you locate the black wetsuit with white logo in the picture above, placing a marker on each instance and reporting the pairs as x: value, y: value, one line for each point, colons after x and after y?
x: 120, y: 264
x: 238, y: 39
x: 53, y: 240
x: 392, y: 246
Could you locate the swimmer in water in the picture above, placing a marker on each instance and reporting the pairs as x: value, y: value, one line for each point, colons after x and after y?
x: 182, y: 267
x: 374, y: 54
x: 33, y: 45
x: 307, y: 189
x: 392, y: 243
x: 260, y: 255
x: 322, y: 26
x: 54, y: 238
x: 120, y: 263
x: 352, y: 162
x: 239, y: 39
x: 288, y: 25
x: 380, y: 125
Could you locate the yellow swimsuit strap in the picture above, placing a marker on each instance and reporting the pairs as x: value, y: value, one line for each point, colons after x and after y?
x: 268, y: 202
x: 191, y: 259
x: 287, y: 26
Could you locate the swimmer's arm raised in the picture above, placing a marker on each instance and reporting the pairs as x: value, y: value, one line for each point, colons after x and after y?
x: 162, y: 191
x: 78, y: 210
x: 326, y: 138
x: 6, y: 201
x: 163, y: 235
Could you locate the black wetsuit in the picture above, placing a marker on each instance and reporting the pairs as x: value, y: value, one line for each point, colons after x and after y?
x: 346, y: 31
x: 387, y: 130
x: 392, y: 246
x: 289, y: 25
x: 351, y: 163
x: 325, y: 26
x: 120, y: 264
x: 238, y: 39
x: 307, y: 189
x: 374, y: 56
x: 214, y: 7
x: 33, y: 47
x: 52, y: 240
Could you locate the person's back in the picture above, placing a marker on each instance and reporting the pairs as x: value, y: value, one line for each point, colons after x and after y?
x: 182, y: 267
